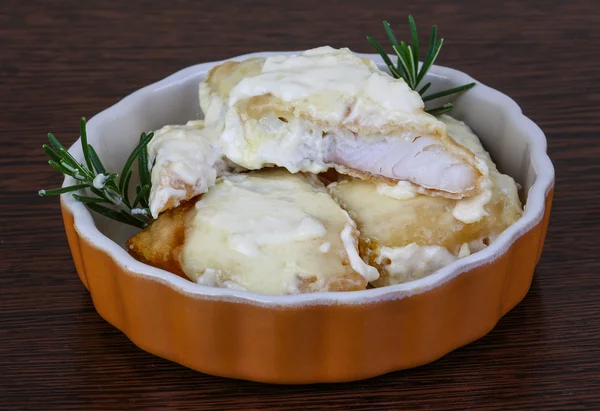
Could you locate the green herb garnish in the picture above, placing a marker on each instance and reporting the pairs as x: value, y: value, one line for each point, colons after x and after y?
x: 104, y: 185
x: 407, y: 66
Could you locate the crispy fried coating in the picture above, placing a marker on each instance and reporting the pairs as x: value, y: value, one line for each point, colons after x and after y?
x: 159, y: 243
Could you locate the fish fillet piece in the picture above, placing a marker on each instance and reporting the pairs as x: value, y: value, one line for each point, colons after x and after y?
x: 267, y: 231
x: 407, y: 235
x: 328, y: 108
x: 187, y: 161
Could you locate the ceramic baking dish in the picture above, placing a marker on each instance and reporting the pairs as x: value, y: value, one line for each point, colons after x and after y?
x: 321, y: 337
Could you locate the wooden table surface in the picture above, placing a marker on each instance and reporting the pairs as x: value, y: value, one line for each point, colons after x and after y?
x: 60, y: 60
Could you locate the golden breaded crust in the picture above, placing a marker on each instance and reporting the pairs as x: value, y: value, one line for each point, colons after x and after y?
x: 159, y: 243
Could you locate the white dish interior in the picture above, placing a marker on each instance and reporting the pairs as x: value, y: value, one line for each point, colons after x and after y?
x: 516, y: 145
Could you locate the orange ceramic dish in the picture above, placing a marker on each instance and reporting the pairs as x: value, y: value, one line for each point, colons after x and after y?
x: 320, y: 337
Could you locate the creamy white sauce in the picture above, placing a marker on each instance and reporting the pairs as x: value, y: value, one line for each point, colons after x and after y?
x: 261, y: 222
x: 331, y: 80
x: 349, y: 238
x: 412, y: 261
x: 212, y: 278
x: 269, y: 232
x: 464, y: 251
x: 472, y: 210
x: 296, y: 144
x: 402, y: 190
x: 187, y: 162
x: 507, y: 185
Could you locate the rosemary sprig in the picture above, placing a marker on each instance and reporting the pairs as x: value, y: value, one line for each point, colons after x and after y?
x: 102, y: 184
x: 407, y: 65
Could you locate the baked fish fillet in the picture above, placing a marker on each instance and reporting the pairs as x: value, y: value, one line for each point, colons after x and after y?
x: 268, y: 232
x: 408, y: 235
x: 327, y: 108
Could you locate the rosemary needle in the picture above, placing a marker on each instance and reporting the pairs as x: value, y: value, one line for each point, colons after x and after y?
x: 94, y: 177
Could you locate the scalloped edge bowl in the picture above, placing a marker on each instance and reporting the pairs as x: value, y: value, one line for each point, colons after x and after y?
x: 320, y: 337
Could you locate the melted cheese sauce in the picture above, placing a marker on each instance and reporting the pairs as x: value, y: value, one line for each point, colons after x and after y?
x: 411, y: 262
x: 272, y: 232
x: 186, y: 161
x: 350, y: 241
x: 472, y: 210
x: 293, y: 143
x: 259, y: 222
x: 402, y: 190
x: 327, y: 81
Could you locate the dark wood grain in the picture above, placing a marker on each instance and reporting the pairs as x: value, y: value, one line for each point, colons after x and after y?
x: 60, y: 60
